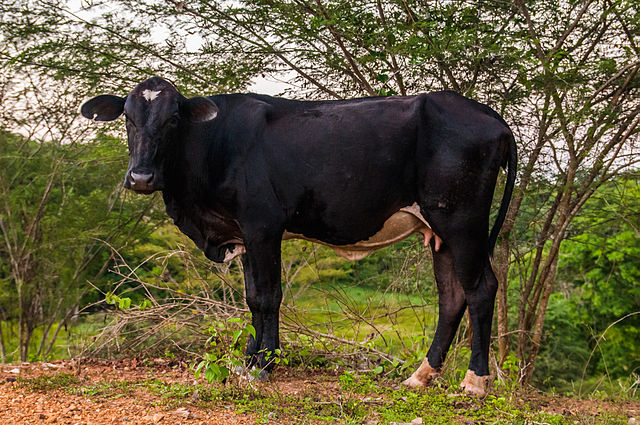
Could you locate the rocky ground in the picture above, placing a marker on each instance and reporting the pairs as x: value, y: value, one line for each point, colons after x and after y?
x: 114, y: 400
x: 165, y: 391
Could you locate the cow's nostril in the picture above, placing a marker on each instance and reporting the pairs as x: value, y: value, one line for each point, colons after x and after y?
x: 138, y: 179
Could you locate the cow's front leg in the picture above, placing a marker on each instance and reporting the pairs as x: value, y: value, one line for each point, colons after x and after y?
x: 261, y: 265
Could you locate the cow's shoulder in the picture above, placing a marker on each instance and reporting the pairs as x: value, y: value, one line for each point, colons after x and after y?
x: 243, y: 114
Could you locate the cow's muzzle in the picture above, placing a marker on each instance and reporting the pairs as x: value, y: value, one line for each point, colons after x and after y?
x: 141, y: 182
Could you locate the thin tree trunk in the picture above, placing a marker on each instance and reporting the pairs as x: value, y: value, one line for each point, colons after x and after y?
x: 26, y: 340
x: 501, y: 267
x: 3, y: 348
x: 55, y: 336
x: 547, y: 280
x: 539, y: 325
x: 21, y: 324
x: 43, y: 340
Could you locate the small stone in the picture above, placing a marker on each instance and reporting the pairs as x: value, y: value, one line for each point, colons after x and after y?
x: 632, y: 421
x: 416, y: 421
x: 182, y: 412
x: 16, y: 371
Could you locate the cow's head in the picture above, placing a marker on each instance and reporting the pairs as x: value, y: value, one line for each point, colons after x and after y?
x: 155, y: 112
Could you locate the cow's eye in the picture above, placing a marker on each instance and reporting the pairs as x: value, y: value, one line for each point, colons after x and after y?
x: 173, y: 121
x: 129, y: 120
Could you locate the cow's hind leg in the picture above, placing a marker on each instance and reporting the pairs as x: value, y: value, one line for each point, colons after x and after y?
x: 452, y: 303
x: 464, y: 233
x: 481, y: 298
x: 480, y: 286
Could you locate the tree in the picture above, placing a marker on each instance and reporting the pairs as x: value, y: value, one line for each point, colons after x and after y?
x: 61, y: 202
x: 601, y: 263
x: 585, y: 103
x: 61, y: 211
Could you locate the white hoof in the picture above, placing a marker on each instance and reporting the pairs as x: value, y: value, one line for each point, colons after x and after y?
x: 251, y: 375
x: 474, y: 384
x: 423, y: 376
x: 256, y: 374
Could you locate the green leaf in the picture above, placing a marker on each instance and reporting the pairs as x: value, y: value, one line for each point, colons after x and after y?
x: 251, y: 330
x: 111, y: 298
x: 199, y: 368
x: 212, y: 372
x: 146, y: 303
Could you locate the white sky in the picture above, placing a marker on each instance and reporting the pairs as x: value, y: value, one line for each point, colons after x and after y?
x: 264, y: 85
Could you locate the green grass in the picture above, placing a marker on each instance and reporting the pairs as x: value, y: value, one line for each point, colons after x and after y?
x: 337, y: 309
x: 106, y: 389
x: 45, y: 383
x: 68, y: 341
x: 358, y: 313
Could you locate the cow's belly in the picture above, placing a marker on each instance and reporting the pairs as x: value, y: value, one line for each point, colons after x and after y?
x: 399, y: 226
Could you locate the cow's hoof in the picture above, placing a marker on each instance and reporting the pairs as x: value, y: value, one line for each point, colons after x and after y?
x: 256, y: 374
x: 240, y: 370
x: 474, y: 384
x: 252, y: 374
x: 423, y: 376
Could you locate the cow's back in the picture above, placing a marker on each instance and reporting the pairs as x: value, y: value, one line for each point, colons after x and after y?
x: 336, y: 170
x: 340, y: 169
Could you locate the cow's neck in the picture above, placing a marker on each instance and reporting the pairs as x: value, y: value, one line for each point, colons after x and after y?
x: 188, y: 179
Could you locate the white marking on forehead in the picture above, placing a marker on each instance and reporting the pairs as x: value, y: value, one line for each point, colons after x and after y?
x: 150, y: 94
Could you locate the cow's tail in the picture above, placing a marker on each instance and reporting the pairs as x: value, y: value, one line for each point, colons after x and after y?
x: 512, y: 164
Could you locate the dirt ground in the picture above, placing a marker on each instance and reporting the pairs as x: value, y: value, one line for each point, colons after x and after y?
x: 88, y: 400
x: 23, y: 405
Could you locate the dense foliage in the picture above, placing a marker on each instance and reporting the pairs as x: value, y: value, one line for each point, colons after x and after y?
x: 594, y: 321
x: 61, y: 214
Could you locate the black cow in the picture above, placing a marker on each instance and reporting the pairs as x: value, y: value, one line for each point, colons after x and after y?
x: 240, y: 172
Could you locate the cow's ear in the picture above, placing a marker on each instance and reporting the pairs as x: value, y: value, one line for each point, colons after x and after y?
x: 200, y: 109
x: 105, y: 107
